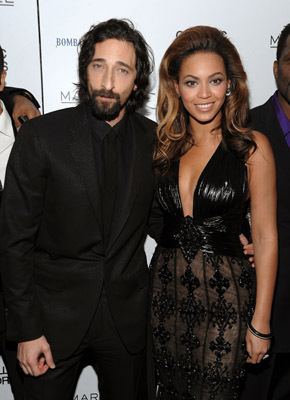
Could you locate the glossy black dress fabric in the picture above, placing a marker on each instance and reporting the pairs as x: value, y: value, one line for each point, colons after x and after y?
x: 202, y: 285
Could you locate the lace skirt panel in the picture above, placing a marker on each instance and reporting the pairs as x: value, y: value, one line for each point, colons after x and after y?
x: 198, y: 317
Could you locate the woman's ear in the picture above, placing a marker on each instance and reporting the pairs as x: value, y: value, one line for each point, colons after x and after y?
x: 176, y: 87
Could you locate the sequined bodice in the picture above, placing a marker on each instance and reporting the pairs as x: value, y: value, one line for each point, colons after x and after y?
x: 219, y: 207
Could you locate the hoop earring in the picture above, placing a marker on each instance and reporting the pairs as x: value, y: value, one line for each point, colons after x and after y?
x: 228, y: 92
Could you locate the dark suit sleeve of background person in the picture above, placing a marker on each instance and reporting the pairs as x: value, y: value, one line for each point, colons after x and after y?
x: 8, y: 94
x: 270, y: 380
x: 265, y: 120
x: 20, y: 218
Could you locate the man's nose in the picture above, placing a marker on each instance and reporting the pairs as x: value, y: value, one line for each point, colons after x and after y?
x: 108, y: 81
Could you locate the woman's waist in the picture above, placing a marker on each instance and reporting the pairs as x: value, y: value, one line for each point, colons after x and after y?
x: 219, y: 234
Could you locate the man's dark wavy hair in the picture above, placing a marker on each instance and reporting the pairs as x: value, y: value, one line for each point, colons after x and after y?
x: 121, y: 30
x: 282, y: 41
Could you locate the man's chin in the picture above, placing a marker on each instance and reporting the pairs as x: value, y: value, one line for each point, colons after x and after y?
x: 106, y: 114
x: 286, y: 97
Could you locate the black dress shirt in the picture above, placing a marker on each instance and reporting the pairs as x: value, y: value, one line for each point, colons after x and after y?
x: 123, y: 130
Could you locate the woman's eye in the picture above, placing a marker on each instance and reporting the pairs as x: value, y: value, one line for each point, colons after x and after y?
x: 216, y: 81
x: 190, y: 83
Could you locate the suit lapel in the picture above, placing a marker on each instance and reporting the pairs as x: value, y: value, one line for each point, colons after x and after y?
x: 274, y: 132
x: 140, y: 156
x: 82, y: 152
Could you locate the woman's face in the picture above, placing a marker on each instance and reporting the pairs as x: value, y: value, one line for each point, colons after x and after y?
x: 202, y: 86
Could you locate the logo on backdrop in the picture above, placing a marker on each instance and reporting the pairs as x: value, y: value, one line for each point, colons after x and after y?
x: 274, y: 41
x: 91, y: 396
x: 7, y: 3
x: 4, y: 380
x: 66, y: 42
x: 69, y: 97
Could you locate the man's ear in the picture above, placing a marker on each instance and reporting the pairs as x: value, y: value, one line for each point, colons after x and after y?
x: 2, y: 81
x: 275, y: 69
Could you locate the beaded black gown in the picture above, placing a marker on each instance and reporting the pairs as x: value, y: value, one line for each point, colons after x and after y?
x: 202, y: 285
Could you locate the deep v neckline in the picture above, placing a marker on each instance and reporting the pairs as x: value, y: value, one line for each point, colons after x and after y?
x: 197, y: 182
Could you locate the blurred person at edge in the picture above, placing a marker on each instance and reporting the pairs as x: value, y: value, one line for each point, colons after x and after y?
x: 8, y: 130
x: 271, y: 379
x: 18, y: 102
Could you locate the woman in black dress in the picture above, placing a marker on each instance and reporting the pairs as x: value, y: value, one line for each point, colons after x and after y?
x: 210, y: 310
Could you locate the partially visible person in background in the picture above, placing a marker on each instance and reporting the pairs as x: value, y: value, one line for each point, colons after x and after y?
x: 271, y: 379
x: 8, y: 130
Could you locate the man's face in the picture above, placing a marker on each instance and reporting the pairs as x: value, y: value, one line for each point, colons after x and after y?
x: 2, y: 84
x: 111, y: 78
x: 2, y: 80
x: 282, y: 75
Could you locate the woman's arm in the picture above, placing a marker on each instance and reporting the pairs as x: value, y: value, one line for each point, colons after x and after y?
x: 262, y: 189
x: 20, y: 102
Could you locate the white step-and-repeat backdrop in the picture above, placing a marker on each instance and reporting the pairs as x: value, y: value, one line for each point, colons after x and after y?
x: 40, y: 39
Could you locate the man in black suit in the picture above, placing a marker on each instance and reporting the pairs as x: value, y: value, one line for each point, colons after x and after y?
x: 78, y: 190
x: 271, y: 379
x: 7, y: 133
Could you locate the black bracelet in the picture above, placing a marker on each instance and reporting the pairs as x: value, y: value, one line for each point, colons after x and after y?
x: 265, y: 336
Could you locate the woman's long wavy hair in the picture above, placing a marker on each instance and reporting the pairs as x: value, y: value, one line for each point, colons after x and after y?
x: 173, y: 139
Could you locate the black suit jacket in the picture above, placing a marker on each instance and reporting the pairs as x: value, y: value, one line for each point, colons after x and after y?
x: 7, y: 97
x: 4, y: 96
x: 52, y: 254
x: 264, y: 119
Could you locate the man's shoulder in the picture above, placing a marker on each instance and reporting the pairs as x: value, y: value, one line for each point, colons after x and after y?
x: 51, y: 127
x: 263, y: 117
x: 145, y: 121
x: 263, y: 109
x: 59, y: 116
x: 51, y: 124
x: 144, y: 126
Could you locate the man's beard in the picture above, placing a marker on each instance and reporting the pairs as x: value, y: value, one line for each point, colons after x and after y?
x: 105, y: 110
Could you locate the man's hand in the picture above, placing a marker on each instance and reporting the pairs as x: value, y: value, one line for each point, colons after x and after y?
x: 23, y: 106
x: 35, y: 357
x: 248, y: 248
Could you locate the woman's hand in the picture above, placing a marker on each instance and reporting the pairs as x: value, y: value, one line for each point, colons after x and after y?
x: 256, y: 347
x: 23, y: 107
